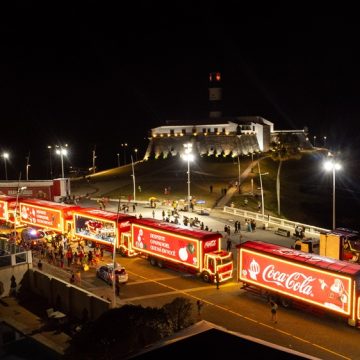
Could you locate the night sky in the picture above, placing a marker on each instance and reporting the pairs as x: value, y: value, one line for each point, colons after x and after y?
x: 100, y: 75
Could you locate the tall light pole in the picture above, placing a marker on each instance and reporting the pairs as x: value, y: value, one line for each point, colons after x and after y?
x: 136, y: 151
x: 239, y: 173
x: 262, y: 191
x: 133, y: 176
x: 314, y: 141
x: 93, y: 160
x: 188, y: 156
x: 324, y: 141
x: 27, y: 166
x: 124, y: 146
x: 333, y: 165
x: 50, y: 161
x: 5, y: 156
x: 118, y: 159
x: 62, y: 151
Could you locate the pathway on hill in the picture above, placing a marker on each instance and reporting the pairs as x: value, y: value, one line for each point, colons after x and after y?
x: 230, y: 192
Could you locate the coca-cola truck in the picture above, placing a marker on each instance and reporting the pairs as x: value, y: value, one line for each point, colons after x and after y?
x: 179, y: 247
x: 294, y: 277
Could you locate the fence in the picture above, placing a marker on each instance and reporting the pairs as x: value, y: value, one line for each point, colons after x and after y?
x: 310, y: 230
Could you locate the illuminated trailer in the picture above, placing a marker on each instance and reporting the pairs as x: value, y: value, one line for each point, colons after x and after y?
x: 101, y: 226
x: 175, y: 246
x: 47, y: 214
x: 294, y: 277
x: 7, y: 208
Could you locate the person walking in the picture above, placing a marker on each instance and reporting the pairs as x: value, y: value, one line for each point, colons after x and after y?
x: 273, y: 309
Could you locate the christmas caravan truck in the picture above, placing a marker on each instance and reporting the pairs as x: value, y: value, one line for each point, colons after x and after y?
x: 181, y: 248
x: 47, y: 215
x: 100, y: 226
x: 7, y: 208
x: 299, y: 278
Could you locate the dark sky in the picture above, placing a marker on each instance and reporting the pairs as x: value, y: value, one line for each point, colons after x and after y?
x: 90, y: 73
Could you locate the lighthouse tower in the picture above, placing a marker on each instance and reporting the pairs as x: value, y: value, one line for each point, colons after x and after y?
x: 215, y: 95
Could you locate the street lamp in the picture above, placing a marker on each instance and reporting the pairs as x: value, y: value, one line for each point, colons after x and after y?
x: 124, y: 146
x: 51, y: 172
x: 262, y: 191
x: 61, y: 151
x: 118, y: 159
x: 133, y: 176
x: 324, y: 141
x: 332, y: 165
x: 188, y: 156
x: 5, y: 156
x: 314, y: 141
x: 27, y: 171
x: 136, y: 151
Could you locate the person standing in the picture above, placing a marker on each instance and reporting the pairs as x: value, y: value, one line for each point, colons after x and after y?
x: 217, y: 280
x: 199, y: 305
x: 228, y: 244
x: 273, y: 310
x: 13, y: 286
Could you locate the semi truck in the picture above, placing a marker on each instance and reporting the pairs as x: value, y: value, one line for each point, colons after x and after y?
x: 297, y: 278
x: 179, y: 247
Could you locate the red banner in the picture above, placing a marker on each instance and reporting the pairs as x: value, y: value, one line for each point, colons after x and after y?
x: 37, y: 216
x: 169, y: 246
x: 326, y: 289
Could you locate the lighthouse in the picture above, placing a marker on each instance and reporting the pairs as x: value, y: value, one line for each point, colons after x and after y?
x: 215, y: 95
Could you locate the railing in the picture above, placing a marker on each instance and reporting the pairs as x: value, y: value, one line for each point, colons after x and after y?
x: 310, y: 230
x: 19, y: 258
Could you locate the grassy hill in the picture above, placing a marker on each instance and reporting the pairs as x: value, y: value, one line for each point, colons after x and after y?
x: 306, y: 190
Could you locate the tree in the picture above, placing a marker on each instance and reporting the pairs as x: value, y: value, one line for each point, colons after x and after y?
x: 120, y: 332
x: 284, y: 148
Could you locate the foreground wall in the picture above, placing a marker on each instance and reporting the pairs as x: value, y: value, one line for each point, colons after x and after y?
x: 69, y: 299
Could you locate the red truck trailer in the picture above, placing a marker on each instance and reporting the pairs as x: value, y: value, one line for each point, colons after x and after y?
x: 101, y: 226
x: 182, y: 248
x: 7, y: 208
x: 47, y: 214
x: 299, y: 278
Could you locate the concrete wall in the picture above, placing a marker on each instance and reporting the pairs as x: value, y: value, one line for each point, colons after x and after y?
x: 70, y: 299
x: 7, y: 272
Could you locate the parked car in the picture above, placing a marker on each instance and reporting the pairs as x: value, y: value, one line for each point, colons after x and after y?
x: 105, y: 272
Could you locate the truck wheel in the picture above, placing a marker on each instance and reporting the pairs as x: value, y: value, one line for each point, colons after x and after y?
x: 206, y: 277
x: 153, y: 261
x: 122, y: 252
x: 160, y: 264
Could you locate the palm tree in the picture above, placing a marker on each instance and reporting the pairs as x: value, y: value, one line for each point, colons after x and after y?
x: 286, y: 147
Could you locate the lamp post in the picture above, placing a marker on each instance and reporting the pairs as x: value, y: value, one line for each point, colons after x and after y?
x: 124, y: 146
x: 239, y: 173
x: 136, y: 151
x: 61, y: 151
x: 5, y: 156
x: 118, y: 159
x: 314, y: 141
x: 93, y: 160
x: 51, y: 172
x: 324, y: 141
x: 133, y: 176
x: 332, y: 165
x: 27, y: 167
x: 188, y: 156
x: 262, y: 191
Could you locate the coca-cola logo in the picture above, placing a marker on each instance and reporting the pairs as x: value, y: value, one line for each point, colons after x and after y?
x: 210, y: 244
x: 296, y: 281
x: 124, y: 224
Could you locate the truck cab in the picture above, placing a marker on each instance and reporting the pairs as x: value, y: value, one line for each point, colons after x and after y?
x: 220, y: 262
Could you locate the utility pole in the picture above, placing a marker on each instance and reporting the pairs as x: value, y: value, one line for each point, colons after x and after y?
x: 27, y: 166
x: 93, y: 160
